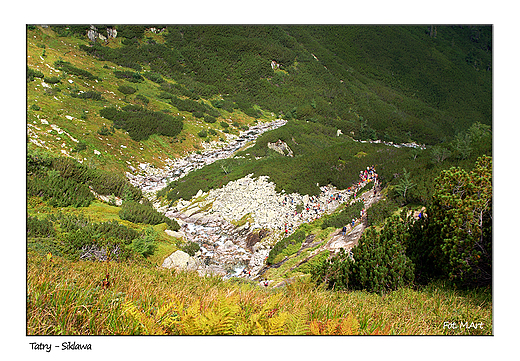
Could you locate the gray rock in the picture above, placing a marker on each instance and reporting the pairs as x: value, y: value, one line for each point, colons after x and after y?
x: 180, y: 259
x: 175, y: 234
x: 191, y: 211
x: 111, y: 32
x: 281, y: 147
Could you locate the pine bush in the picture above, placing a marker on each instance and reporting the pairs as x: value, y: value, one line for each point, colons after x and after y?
x: 32, y: 73
x: 378, y: 264
x: 144, y: 213
x: 155, y: 77
x: 343, y: 217
x: 294, y: 239
x: 130, y: 76
x: 39, y: 227
x: 70, y: 69
x: 60, y: 192
x: 141, y: 123
x: 89, y: 94
x: 126, y: 89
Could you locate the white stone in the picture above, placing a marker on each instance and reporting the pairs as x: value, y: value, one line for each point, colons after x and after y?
x: 191, y: 211
x: 174, y: 234
x: 180, y: 259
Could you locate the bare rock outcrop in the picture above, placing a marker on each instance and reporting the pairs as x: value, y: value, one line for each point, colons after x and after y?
x: 281, y: 147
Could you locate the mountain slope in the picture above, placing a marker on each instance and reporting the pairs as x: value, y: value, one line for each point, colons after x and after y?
x: 395, y: 83
x: 104, y: 100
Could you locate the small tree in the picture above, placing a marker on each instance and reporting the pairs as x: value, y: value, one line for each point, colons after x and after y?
x: 191, y: 248
x: 405, y: 184
x: 462, y: 210
x: 209, y: 119
x: 439, y: 154
x: 462, y: 145
x: 145, y: 245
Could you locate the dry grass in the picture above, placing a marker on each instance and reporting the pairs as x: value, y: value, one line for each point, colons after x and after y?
x: 67, y: 298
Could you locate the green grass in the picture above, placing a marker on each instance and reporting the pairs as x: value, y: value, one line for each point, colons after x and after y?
x: 113, y: 157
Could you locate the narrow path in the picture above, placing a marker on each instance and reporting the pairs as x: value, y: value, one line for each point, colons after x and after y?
x: 337, y: 240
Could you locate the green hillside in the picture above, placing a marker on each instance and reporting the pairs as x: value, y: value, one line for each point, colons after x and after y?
x: 404, y: 83
x: 394, y: 83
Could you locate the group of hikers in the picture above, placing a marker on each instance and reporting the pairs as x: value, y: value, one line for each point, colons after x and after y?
x: 366, y: 176
x: 316, y: 206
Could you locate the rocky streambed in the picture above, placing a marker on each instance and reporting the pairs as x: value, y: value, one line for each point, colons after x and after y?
x: 237, y: 225
x: 152, y: 179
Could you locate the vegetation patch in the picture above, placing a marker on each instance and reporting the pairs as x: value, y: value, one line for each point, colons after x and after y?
x: 378, y: 263
x: 65, y: 182
x: 141, y: 123
x: 145, y: 213
x: 89, y: 94
x: 344, y: 216
x: 70, y: 69
x: 131, y: 76
x: 289, y: 245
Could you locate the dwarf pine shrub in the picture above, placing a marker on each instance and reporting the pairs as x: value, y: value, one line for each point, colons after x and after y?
x: 155, y: 77
x: 145, y: 244
x: 190, y: 248
x: 130, y: 76
x: 142, y: 99
x: 294, y: 240
x: 145, y: 213
x: 126, y: 89
x: 209, y: 119
x: 378, y: 264
x: 52, y: 80
x: 39, y: 227
x: 59, y: 192
x: 70, y: 69
x: 89, y: 94
x: 32, y: 73
x: 141, y: 123
x: 343, y: 217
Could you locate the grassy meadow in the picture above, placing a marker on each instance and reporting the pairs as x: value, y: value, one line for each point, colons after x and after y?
x: 68, y: 298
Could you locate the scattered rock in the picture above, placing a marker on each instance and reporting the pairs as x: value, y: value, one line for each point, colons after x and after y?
x: 174, y: 234
x: 281, y: 147
x: 180, y: 259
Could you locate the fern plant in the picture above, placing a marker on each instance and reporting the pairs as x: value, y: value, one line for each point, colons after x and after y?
x: 338, y: 326
x: 225, y: 317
